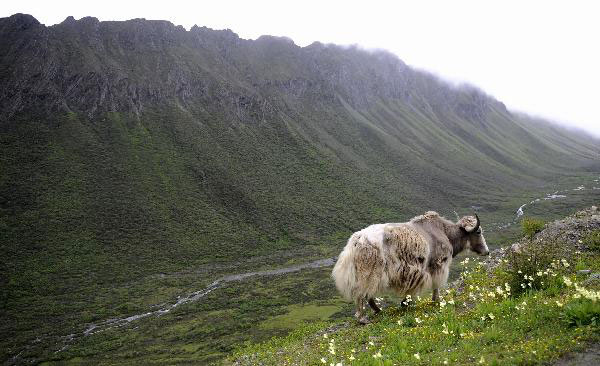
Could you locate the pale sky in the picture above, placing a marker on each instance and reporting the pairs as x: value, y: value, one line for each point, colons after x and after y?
x: 539, y: 57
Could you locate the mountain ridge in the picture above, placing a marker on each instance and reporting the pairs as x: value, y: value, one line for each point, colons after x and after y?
x: 149, y: 33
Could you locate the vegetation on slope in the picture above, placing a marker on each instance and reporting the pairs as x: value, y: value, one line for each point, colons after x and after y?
x: 132, y: 150
x: 528, y: 306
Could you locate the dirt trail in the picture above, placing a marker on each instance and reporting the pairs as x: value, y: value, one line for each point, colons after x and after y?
x: 589, y: 357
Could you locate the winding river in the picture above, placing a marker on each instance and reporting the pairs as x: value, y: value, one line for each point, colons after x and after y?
x: 197, y: 295
x: 550, y: 196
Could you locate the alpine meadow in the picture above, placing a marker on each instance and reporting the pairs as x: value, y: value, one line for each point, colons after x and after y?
x: 171, y: 196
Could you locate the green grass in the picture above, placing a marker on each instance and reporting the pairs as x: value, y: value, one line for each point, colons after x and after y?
x: 592, y: 241
x: 299, y: 314
x: 206, y: 331
x: 480, y: 323
x: 531, y: 226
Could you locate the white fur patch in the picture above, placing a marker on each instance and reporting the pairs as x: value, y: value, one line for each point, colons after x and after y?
x: 374, y: 233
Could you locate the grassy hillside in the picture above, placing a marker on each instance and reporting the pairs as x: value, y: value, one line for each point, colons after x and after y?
x: 524, y: 307
x: 135, y: 150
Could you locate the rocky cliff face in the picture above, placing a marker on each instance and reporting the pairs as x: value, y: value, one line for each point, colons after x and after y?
x: 93, y: 67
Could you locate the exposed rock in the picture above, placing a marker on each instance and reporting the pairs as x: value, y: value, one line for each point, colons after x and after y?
x: 589, y: 357
x: 570, y: 230
x: 592, y: 280
x: 93, y: 67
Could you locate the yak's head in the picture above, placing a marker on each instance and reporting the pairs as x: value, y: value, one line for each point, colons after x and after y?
x: 471, y: 229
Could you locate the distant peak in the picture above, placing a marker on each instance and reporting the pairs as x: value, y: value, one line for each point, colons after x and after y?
x: 89, y: 20
x: 222, y: 33
x: 268, y: 38
x: 69, y: 20
x: 316, y: 44
x: 23, y: 21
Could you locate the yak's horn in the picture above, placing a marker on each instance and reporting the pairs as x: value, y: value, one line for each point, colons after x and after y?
x: 476, y: 225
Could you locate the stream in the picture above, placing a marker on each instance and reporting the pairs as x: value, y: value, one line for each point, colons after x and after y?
x: 550, y: 196
x: 197, y: 295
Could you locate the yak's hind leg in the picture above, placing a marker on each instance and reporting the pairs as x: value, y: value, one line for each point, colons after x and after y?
x: 369, y: 264
x: 374, y: 306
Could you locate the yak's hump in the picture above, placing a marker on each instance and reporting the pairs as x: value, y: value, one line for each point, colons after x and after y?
x: 429, y: 215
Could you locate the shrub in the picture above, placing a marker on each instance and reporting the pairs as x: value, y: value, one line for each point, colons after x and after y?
x: 538, y: 265
x: 531, y: 226
x: 592, y: 241
x: 583, y: 312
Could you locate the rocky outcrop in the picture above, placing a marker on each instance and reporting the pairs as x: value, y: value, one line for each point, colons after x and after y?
x: 569, y: 231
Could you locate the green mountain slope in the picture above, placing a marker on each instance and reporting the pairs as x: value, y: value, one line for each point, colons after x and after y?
x: 129, y: 149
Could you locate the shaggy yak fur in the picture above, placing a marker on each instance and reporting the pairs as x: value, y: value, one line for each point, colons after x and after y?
x: 406, y: 258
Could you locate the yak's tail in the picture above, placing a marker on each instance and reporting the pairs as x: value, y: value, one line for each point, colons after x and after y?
x: 344, y: 271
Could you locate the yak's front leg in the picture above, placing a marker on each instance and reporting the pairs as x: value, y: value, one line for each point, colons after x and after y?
x: 360, y: 314
x: 436, y: 295
x: 374, y: 306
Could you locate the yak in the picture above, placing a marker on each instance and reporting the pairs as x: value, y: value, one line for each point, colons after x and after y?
x: 406, y: 258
